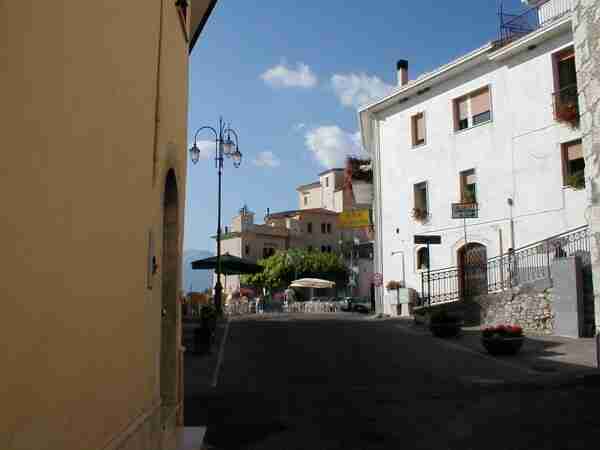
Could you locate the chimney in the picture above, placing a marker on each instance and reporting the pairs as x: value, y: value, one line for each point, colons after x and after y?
x: 402, y: 67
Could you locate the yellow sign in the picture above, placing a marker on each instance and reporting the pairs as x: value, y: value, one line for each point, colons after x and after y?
x: 354, y: 219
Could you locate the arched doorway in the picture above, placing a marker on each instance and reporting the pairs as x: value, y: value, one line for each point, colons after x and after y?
x: 170, y: 274
x: 472, y: 269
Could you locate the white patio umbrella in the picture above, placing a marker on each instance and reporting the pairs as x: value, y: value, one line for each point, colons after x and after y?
x: 315, y: 283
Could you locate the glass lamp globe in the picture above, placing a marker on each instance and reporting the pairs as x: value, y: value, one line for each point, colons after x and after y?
x: 228, y: 147
x: 237, y: 158
x: 195, y: 153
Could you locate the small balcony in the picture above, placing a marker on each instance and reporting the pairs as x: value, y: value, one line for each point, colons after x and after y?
x: 539, y: 14
x: 566, y: 105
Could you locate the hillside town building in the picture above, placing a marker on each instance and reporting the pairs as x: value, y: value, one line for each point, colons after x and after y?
x: 497, y: 128
x: 313, y: 226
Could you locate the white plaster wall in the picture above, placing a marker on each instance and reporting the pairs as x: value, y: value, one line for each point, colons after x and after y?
x: 516, y: 155
x: 338, y: 201
x: 328, y: 192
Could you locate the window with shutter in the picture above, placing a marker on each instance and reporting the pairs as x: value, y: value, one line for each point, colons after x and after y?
x: 462, y: 113
x: 472, y: 109
x: 418, y: 129
x: 480, y: 106
x: 573, y: 164
x: 468, y: 186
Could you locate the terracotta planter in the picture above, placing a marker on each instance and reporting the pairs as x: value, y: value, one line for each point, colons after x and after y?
x: 502, y: 345
x: 445, y: 330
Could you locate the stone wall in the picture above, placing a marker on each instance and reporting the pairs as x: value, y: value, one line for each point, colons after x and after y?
x: 527, y: 306
x: 586, y: 35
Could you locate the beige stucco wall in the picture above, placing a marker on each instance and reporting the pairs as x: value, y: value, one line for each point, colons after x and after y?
x: 80, y: 339
x: 314, y: 198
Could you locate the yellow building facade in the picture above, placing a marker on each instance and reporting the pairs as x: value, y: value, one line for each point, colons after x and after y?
x: 94, y: 125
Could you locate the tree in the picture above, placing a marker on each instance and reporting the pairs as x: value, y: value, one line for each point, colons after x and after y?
x: 285, y: 266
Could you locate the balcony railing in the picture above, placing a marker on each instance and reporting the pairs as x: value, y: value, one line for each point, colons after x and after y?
x: 566, y: 105
x: 514, y: 26
x: 480, y: 275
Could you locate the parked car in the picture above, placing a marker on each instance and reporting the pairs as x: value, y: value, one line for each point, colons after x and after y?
x: 346, y: 304
x: 359, y: 304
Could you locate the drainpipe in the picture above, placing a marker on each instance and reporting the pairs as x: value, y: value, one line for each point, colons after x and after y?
x: 157, y: 97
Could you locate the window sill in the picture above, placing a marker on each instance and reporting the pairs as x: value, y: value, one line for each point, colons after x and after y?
x: 572, y: 188
x: 464, y: 130
x: 419, y: 146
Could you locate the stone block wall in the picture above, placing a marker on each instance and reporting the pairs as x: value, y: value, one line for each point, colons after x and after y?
x: 527, y: 306
x: 586, y: 36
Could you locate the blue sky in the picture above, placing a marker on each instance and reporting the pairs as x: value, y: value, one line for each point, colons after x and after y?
x: 289, y: 79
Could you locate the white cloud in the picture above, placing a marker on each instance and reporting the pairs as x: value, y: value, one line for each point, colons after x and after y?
x: 284, y: 76
x: 331, y: 145
x: 359, y: 89
x: 267, y: 159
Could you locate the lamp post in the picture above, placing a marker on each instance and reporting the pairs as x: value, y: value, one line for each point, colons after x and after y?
x: 224, y: 147
x: 353, y: 275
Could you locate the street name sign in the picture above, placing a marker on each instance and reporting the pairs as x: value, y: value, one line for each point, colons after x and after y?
x: 465, y: 211
x: 432, y: 240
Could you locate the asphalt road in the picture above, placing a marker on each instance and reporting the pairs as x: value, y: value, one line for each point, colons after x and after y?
x: 345, y: 381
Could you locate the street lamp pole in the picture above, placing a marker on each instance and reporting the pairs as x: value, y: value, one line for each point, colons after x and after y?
x: 224, y: 147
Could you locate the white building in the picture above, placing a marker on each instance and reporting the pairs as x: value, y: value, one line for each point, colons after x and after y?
x: 489, y: 127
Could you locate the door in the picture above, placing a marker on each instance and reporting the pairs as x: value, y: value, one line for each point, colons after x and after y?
x: 472, y: 270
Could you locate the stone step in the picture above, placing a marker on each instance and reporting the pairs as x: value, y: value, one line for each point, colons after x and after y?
x: 190, y: 438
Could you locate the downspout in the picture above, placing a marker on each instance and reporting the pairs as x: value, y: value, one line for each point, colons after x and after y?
x: 157, y: 96
x: 374, y: 125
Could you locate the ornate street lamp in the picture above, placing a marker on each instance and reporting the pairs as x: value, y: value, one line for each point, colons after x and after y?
x: 224, y: 147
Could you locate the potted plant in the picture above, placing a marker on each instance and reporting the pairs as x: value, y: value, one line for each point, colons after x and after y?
x: 419, y: 214
x: 502, y: 339
x: 393, y: 285
x: 568, y: 111
x: 468, y: 196
x: 443, y: 324
x: 576, y: 181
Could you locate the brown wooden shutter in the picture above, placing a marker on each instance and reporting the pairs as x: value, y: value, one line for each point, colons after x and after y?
x: 462, y: 109
x: 574, y: 151
x: 480, y: 102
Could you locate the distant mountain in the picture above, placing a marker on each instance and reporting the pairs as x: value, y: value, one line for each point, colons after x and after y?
x: 197, y: 280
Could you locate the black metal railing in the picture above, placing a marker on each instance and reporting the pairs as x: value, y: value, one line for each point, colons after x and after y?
x: 514, y: 26
x: 476, y: 275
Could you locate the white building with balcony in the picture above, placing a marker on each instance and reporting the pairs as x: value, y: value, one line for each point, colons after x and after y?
x: 498, y: 128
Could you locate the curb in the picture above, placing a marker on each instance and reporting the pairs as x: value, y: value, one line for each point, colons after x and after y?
x: 588, y: 378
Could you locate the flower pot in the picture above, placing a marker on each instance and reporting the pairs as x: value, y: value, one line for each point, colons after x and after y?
x: 363, y: 192
x: 444, y: 330
x: 499, y: 345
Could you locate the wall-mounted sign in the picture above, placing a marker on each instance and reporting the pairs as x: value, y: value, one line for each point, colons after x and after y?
x: 354, y: 219
x: 465, y: 211
x: 429, y: 240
